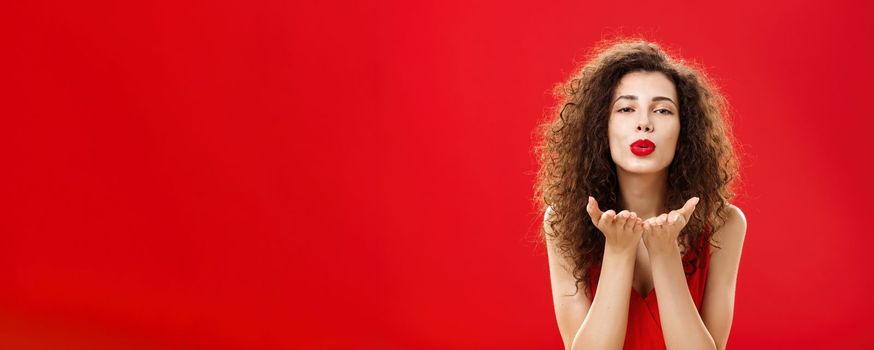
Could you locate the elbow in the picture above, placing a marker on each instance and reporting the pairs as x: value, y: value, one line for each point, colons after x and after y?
x: 575, y: 346
x: 572, y: 346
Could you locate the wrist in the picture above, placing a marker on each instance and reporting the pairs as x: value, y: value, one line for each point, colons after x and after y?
x: 619, y: 251
x: 669, y: 250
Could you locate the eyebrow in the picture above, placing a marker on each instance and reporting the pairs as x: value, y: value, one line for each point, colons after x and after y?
x: 656, y: 98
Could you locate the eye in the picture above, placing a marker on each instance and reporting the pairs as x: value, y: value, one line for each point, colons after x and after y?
x: 666, y: 111
x: 622, y: 109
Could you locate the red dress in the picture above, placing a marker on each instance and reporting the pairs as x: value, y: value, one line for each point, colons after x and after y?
x: 644, y: 329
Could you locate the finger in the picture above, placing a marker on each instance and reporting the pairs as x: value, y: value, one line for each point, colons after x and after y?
x: 663, y: 219
x: 607, y: 218
x: 689, y: 207
x: 593, y: 210
x: 622, y: 218
x: 638, y: 225
x: 675, y: 217
x: 632, y: 220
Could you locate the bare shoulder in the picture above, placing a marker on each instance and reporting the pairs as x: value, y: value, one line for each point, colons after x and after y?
x: 731, y: 235
x: 735, y: 216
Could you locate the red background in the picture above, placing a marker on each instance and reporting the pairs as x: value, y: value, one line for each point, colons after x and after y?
x: 348, y: 175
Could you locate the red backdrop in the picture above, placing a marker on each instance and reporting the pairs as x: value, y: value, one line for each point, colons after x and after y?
x: 347, y: 175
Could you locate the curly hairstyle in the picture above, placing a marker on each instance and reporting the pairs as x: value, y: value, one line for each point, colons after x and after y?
x: 575, y: 162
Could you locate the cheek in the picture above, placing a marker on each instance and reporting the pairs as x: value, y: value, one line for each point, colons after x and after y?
x: 676, y: 131
x: 670, y: 129
x: 672, y: 134
x: 612, y: 131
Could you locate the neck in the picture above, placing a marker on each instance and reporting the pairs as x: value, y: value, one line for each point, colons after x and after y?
x: 643, y: 194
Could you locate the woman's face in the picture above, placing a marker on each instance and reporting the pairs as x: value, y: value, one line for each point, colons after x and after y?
x: 644, y: 107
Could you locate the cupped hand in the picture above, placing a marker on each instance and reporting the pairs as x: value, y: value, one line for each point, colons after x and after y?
x: 622, y: 232
x: 662, y: 232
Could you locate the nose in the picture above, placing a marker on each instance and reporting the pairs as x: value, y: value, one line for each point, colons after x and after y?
x: 644, y: 124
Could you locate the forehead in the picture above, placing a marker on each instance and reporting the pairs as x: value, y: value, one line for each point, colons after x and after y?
x: 645, y: 85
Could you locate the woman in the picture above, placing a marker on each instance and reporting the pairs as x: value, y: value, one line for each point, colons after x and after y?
x: 642, y: 135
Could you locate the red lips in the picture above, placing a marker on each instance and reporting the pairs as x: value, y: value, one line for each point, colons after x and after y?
x: 642, y: 147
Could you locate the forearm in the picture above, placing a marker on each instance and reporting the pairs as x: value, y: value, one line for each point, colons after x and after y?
x: 605, y: 324
x: 682, y: 325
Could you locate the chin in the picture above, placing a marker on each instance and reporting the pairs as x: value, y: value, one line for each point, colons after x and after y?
x: 643, y: 171
x: 643, y: 168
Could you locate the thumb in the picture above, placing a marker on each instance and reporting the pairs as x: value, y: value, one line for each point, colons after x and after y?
x: 593, y: 210
x: 686, y: 210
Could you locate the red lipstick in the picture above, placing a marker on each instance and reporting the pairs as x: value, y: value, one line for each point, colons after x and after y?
x: 642, y: 147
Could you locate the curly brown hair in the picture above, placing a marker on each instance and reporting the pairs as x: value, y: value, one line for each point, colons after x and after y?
x: 575, y: 161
